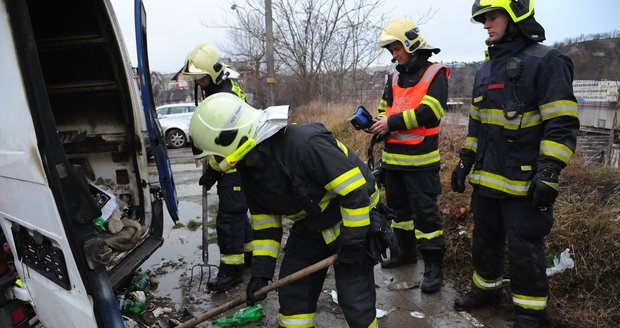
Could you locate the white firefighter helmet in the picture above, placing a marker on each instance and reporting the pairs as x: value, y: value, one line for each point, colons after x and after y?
x: 221, y: 124
x: 203, y: 60
x: 406, y: 32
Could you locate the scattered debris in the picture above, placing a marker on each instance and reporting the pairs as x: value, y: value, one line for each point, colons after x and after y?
x: 402, y: 285
x: 561, y: 264
x: 471, y: 319
x: 417, y: 314
x: 383, y: 313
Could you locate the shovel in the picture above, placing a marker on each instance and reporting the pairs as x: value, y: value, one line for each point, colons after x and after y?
x: 205, y: 236
x: 261, y: 292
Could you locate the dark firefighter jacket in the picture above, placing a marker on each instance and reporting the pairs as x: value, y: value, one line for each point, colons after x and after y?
x: 424, y: 156
x: 227, y: 85
x: 304, y: 173
x: 518, y: 123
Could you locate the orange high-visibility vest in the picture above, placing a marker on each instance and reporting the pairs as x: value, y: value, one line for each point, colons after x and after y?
x: 410, y: 98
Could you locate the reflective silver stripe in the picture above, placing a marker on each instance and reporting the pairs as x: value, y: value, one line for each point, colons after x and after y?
x: 405, y: 136
x: 405, y: 225
x: 471, y: 143
x: 265, y: 221
x: 231, y: 259
x: 428, y: 235
x: 556, y: 150
x: 498, y: 182
x: 410, y: 119
x: 559, y: 108
x: 411, y: 160
x: 355, y: 217
x: 265, y: 247
x: 305, y: 320
x: 530, y: 302
x: 430, y: 72
x: 485, y: 284
x: 330, y: 234
x: 347, y: 182
x: 434, y: 105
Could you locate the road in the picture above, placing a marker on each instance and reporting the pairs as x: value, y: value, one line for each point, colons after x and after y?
x: 172, y: 265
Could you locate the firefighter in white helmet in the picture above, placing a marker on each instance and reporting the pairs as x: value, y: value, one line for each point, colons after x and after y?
x: 522, y: 132
x: 203, y: 67
x: 300, y: 172
x: 410, y: 113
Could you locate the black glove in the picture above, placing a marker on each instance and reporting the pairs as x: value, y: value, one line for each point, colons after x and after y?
x: 459, y: 174
x: 380, y: 235
x: 255, y: 284
x: 209, y: 178
x: 545, y: 186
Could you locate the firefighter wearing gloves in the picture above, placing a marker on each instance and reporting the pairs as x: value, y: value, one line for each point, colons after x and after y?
x: 410, y: 111
x: 522, y: 132
x: 203, y: 66
x: 302, y: 173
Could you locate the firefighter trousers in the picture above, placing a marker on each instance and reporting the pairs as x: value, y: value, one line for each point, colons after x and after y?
x: 232, y: 222
x: 511, y: 224
x: 298, y: 300
x: 412, y: 195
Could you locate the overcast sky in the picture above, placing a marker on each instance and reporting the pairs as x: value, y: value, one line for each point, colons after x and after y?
x: 175, y: 27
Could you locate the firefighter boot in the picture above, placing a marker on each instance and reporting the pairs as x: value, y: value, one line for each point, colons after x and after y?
x: 433, y: 275
x: 527, y: 321
x: 477, y: 298
x: 227, y: 277
x: 407, y: 250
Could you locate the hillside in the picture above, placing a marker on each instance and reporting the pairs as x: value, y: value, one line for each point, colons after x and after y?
x: 594, y: 59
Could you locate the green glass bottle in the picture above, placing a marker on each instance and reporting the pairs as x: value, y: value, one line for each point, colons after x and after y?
x: 100, y: 223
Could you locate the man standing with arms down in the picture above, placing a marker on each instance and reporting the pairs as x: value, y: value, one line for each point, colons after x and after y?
x: 522, y: 132
x: 210, y: 76
x: 411, y: 110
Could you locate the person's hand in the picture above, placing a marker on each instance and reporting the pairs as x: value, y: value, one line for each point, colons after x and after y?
x: 544, y: 187
x: 459, y: 174
x: 255, y: 284
x: 380, y: 236
x: 209, y: 178
x: 380, y: 126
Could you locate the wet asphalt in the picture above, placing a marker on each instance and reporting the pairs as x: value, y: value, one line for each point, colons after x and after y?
x: 399, y: 298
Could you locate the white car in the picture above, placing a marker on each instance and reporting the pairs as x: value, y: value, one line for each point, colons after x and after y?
x: 174, y: 121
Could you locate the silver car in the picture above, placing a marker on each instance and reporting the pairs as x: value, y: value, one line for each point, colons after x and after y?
x: 174, y: 121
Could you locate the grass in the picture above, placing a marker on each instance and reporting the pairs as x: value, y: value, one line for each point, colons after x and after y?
x: 587, y: 221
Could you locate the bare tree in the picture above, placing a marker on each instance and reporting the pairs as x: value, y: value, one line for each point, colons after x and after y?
x: 323, y: 48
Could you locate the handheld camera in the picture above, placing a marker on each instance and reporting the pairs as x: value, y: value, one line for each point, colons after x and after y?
x: 361, y: 118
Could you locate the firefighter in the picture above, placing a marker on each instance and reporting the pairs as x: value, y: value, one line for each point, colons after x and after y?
x: 210, y: 76
x: 410, y: 112
x: 522, y: 132
x: 302, y: 173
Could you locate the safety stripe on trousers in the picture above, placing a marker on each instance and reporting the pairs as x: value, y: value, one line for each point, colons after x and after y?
x: 486, y: 284
x: 537, y: 303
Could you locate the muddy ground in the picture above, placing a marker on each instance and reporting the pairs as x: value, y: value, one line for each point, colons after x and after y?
x: 180, y: 255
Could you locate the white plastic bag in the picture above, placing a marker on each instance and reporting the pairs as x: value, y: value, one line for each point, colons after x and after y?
x: 561, y: 264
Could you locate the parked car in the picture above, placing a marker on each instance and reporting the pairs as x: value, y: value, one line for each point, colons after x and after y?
x: 174, y: 121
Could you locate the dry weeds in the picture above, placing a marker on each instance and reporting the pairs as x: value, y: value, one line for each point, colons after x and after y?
x: 587, y: 221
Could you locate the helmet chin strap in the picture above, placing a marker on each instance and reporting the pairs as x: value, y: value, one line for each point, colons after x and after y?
x: 231, y: 160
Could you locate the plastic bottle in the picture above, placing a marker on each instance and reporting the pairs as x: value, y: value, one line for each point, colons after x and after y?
x: 246, y: 315
x: 140, y: 281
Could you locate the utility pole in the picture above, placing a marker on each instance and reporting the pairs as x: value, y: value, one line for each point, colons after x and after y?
x: 612, y: 134
x: 271, y: 79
